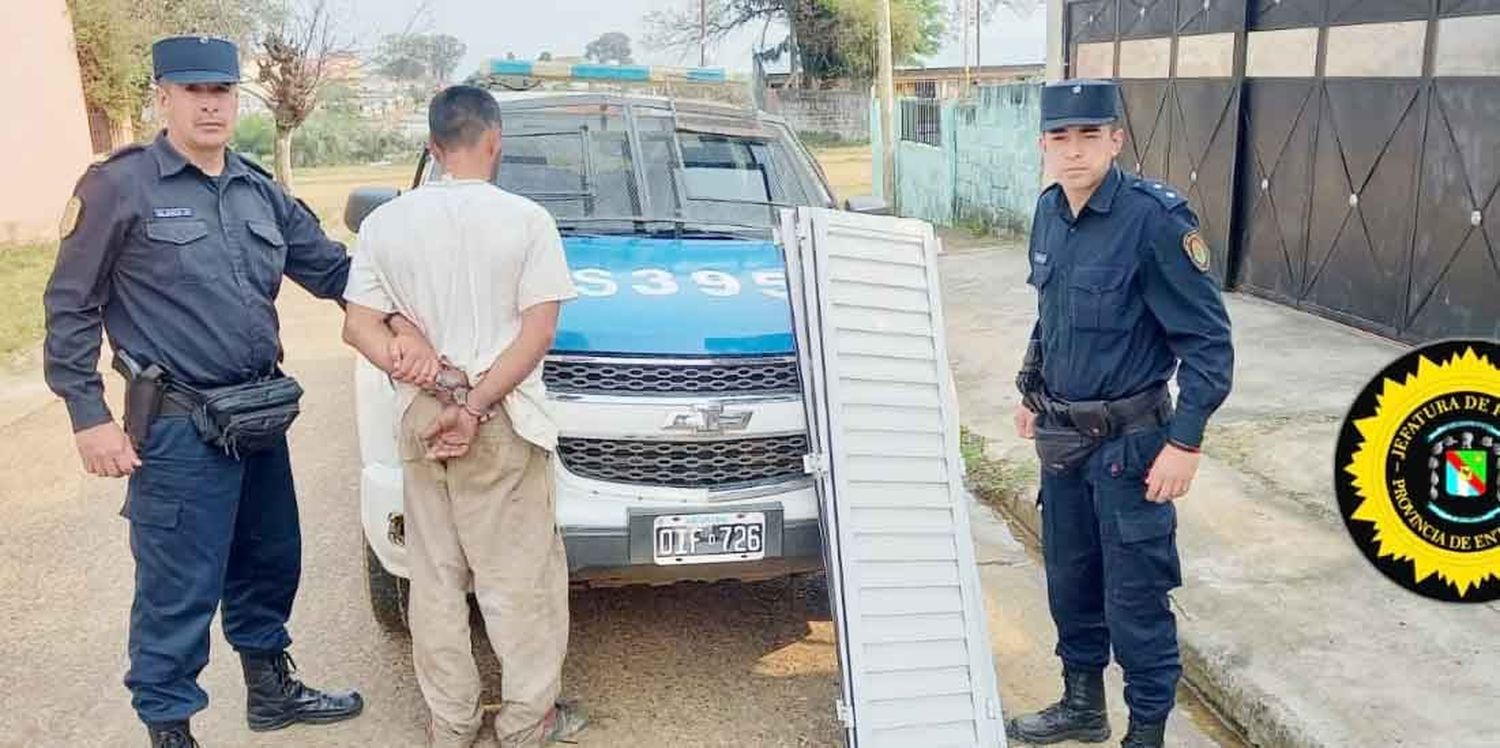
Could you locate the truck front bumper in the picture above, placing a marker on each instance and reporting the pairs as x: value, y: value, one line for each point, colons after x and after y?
x: 595, y: 522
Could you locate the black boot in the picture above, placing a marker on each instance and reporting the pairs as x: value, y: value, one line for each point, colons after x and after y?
x: 275, y: 699
x: 1145, y: 734
x: 1079, y: 715
x: 171, y: 735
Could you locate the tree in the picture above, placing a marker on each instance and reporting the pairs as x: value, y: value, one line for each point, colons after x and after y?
x: 419, y: 57
x: 544, y: 57
x: 611, y: 47
x: 295, y: 50
x: 401, y: 57
x: 444, y: 51
x: 113, y: 42
x: 917, y: 29
x: 826, y: 39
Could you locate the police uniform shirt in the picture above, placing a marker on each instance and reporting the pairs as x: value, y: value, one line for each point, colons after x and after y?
x: 182, y: 268
x: 1124, y: 294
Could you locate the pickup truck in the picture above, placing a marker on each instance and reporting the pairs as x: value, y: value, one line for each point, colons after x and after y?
x: 674, y: 376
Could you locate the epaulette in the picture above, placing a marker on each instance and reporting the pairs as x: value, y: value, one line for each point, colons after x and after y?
x: 255, y: 166
x: 1169, y: 196
x: 98, y: 164
x: 124, y: 151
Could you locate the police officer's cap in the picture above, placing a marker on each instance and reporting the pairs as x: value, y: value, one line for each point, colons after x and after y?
x: 1079, y: 103
x: 195, y: 59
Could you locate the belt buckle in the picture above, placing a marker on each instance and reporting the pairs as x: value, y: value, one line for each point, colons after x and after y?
x: 1091, y: 418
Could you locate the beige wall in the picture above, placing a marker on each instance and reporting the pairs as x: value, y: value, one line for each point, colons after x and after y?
x: 44, y: 133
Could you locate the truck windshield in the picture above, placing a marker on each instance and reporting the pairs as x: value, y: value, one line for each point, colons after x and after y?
x: 580, y: 162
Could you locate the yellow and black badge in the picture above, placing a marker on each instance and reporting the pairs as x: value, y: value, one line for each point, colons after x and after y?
x: 1196, y: 249
x: 1418, y: 471
x: 71, y: 212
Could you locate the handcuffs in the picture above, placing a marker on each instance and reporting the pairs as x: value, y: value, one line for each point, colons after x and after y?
x: 452, y: 388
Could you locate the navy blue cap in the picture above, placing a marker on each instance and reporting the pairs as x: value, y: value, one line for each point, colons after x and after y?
x: 1079, y: 103
x: 195, y: 59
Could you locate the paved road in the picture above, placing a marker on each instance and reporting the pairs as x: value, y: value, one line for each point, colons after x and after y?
x: 700, y: 665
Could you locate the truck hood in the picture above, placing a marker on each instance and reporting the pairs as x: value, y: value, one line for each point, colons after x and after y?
x: 675, y: 297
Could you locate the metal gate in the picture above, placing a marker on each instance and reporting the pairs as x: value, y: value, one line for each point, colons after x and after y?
x: 1343, y: 155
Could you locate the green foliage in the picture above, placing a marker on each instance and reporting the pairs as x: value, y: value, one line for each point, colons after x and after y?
x: 24, y: 270
x: 113, y: 42
x: 993, y: 480
x: 819, y: 139
x: 255, y: 134
x: 828, y: 39
x: 917, y: 28
x: 326, y: 138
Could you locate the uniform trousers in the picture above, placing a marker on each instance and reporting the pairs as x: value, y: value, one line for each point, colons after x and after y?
x: 1111, y: 558
x: 205, y: 529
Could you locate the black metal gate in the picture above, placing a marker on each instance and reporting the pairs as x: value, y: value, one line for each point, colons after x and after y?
x: 1346, y: 163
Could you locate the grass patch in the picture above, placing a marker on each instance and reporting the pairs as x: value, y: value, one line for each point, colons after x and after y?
x: 993, y: 480
x: 327, y: 188
x: 816, y: 139
x: 24, y: 269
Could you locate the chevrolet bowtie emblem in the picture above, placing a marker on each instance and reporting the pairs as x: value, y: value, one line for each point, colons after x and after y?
x: 707, y: 419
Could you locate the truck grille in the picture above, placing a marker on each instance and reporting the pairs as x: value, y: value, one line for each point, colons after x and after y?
x: 748, y: 377
x: 706, y: 464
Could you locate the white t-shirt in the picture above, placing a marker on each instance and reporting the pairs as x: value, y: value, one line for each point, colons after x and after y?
x: 462, y: 259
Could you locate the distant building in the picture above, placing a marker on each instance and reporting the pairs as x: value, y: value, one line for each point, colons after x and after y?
x: 948, y: 82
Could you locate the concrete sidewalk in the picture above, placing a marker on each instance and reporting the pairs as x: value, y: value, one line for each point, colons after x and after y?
x: 1290, y: 632
x: 1021, y: 636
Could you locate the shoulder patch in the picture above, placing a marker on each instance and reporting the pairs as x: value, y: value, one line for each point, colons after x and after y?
x: 1196, y: 249
x: 71, y: 212
x: 1170, y: 197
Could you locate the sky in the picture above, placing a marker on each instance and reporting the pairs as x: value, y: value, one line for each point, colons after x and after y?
x: 491, y: 28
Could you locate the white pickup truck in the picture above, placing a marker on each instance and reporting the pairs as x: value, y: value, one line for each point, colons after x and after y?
x: 674, y: 376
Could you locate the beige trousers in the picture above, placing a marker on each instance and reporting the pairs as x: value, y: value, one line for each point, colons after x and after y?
x: 486, y: 518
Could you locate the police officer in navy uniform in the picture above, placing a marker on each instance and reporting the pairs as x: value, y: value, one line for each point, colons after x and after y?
x: 177, y: 250
x: 1126, y: 300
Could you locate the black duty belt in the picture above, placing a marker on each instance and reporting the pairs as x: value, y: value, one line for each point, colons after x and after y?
x: 1103, y: 418
x: 176, y: 403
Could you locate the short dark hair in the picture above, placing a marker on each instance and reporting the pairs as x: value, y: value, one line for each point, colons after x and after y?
x: 458, y: 115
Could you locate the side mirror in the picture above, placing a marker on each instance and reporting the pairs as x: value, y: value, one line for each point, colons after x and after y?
x: 365, y: 200
x: 867, y: 204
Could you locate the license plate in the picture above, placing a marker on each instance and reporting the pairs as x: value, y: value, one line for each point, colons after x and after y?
x: 708, y: 538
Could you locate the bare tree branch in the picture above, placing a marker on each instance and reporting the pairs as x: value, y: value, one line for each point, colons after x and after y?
x: 295, y: 51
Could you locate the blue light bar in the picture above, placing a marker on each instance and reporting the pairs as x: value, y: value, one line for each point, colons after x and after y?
x: 611, y: 73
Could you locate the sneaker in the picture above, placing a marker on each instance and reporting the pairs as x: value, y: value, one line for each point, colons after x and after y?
x: 563, y: 723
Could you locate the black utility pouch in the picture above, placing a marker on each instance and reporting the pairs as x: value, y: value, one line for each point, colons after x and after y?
x: 1063, y: 450
x: 247, y: 418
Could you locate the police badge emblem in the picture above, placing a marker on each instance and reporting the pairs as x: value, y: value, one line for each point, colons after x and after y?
x: 1418, y: 471
x: 1196, y: 249
x: 71, y: 213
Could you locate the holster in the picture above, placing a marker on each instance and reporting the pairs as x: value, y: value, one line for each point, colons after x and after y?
x: 144, y: 390
x: 1062, y: 449
x: 1029, y: 379
x: 1068, y: 432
